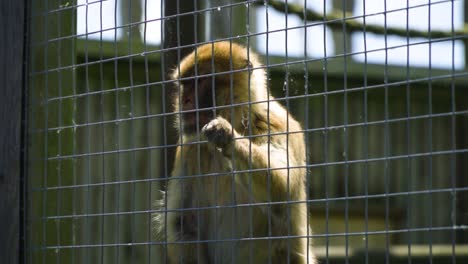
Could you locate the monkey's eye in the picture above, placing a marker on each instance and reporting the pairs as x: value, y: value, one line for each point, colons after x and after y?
x: 192, y: 83
x: 187, y: 84
x: 199, y: 87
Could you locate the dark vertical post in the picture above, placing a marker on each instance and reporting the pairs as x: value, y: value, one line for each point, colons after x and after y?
x: 178, y: 31
x: 12, y: 19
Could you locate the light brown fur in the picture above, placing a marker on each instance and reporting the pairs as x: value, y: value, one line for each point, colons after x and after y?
x: 238, y: 185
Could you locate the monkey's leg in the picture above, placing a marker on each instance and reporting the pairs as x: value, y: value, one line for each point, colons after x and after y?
x: 182, y: 224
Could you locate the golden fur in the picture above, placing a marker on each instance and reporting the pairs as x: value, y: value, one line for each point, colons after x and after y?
x: 238, y: 185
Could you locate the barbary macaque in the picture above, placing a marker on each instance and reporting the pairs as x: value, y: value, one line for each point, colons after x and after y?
x: 237, y: 191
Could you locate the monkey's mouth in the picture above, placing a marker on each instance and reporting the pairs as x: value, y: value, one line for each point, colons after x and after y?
x: 200, y: 117
x: 197, y: 109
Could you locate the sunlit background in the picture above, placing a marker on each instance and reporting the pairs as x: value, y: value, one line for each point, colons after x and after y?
x: 385, y: 121
x: 98, y: 20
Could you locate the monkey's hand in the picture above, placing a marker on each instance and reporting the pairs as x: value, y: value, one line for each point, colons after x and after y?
x: 219, y: 132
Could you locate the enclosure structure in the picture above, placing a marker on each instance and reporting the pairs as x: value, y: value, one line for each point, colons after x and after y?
x: 380, y: 88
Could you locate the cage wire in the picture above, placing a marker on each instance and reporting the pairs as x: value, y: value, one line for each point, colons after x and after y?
x: 380, y: 88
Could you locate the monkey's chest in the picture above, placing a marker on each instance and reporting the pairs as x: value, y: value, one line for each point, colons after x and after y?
x: 221, y: 206
x: 214, y: 179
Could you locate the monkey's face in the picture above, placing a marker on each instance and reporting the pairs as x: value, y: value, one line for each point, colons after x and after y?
x: 197, y: 103
x: 213, y: 81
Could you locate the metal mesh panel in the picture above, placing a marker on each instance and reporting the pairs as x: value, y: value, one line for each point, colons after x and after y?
x: 380, y: 89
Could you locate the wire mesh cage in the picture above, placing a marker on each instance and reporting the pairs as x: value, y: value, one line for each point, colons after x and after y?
x: 344, y: 131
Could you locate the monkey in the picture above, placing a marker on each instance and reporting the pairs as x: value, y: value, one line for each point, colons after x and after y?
x: 237, y: 190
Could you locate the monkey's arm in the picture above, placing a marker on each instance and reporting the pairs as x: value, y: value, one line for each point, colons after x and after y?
x: 271, y: 177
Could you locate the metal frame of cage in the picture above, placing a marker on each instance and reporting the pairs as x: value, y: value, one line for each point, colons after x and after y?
x: 70, y: 206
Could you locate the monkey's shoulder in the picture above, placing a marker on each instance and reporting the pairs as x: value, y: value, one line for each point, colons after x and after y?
x: 271, y: 117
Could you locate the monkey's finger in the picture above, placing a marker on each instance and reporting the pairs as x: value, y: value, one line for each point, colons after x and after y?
x: 216, y: 133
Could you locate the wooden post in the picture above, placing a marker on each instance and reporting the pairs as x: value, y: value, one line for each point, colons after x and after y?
x: 179, y: 30
x: 12, y: 79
